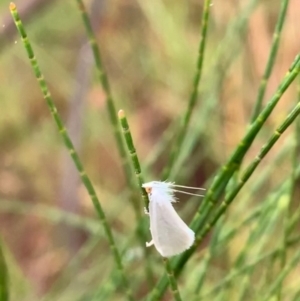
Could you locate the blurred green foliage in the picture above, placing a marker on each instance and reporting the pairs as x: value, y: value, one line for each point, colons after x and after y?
x: 55, y: 249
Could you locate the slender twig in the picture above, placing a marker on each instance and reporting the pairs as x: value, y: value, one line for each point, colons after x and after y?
x: 172, y: 280
x: 138, y: 173
x: 106, y: 87
x: 69, y: 145
x: 134, y: 158
x: 271, y: 60
x: 193, y: 98
x: 28, y: 9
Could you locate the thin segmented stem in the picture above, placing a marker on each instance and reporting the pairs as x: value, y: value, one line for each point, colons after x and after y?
x: 138, y: 173
x: 223, y: 176
x: 69, y: 145
x: 134, y: 158
x: 172, y: 280
x: 271, y: 60
x: 101, y: 74
x: 194, y: 95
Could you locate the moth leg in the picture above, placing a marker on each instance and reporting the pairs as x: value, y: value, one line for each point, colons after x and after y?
x: 146, y: 211
x: 148, y: 244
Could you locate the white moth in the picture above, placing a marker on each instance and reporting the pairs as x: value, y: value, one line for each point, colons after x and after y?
x: 170, y: 235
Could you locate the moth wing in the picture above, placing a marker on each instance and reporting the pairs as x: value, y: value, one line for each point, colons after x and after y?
x: 170, y: 234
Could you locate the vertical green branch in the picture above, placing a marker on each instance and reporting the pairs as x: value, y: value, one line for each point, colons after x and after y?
x: 138, y: 173
x: 271, y: 60
x: 101, y: 74
x: 193, y: 98
x: 134, y: 158
x: 69, y: 145
x: 172, y: 280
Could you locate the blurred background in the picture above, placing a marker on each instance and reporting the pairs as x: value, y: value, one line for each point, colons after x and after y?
x: 149, y: 49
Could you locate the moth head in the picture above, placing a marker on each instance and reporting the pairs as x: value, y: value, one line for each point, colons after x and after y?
x: 163, y: 187
x: 148, y: 187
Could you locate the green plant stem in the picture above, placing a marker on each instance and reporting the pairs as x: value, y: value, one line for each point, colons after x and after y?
x: 271, y: 60
x: 137, y: 168
x: 134, y: 158
x: 225, y: 173
x: 172, y: 280
x: 69, y: 145
x: 138, y: 172
x: 193, y: 98
x: 101, y: 74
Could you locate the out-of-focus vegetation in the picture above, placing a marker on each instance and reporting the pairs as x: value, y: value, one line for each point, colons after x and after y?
x: 53, y: 246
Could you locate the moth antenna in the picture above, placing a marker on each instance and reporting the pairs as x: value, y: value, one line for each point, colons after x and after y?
x: 187, y: 187
x: 189, y: 193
